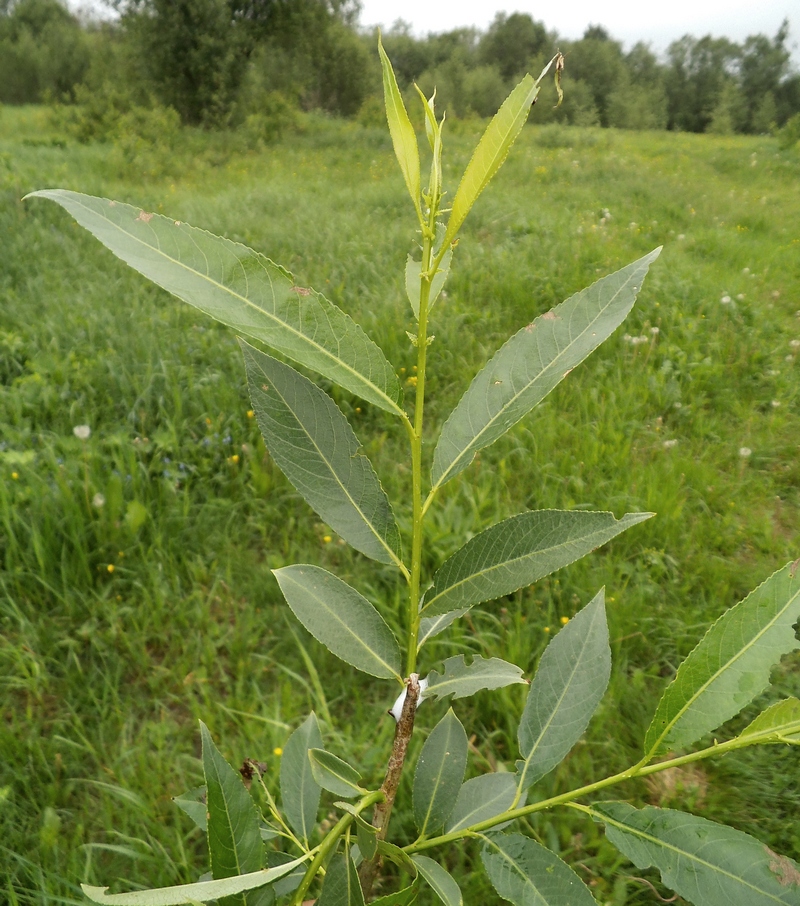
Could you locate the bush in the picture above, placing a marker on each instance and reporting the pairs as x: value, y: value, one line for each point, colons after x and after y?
x: 789, y: 135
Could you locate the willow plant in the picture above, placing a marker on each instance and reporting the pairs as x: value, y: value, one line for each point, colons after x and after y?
x: 276, y: 851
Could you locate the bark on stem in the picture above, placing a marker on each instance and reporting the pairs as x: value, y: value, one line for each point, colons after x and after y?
x: 394, y: 771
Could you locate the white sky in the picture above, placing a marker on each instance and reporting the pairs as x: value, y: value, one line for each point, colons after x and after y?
x: 656, y: 22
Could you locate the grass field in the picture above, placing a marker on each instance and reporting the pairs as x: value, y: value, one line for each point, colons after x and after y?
x: 135, y: 593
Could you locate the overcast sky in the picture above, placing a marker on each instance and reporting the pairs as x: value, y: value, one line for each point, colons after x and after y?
x: 656, y: 22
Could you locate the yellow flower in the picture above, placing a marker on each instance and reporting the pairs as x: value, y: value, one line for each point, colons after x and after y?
x: 250, y: 413
x: 15, y: 475
x: 564, y: 621
x: 111, y: 567
x: 327, y: 539
x: 546, y: 629
x: 277, y: 751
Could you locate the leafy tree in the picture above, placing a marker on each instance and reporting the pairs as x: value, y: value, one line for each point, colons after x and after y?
x: 597, y: 60
x: 511, y: 41
x: 697, y: 73
x: 764, y: 65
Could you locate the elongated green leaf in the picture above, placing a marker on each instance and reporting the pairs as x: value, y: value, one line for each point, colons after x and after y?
x: 709, y: 864
x: 431, y: 626
x: 341, y: 886
x: 460, y: 679
x: 527, y: 874
x: 201, y: 892
x: 314, y: 446
x: 403, y: 897
x: 517, y: 552
x: 780, y: 723
x: 367, y: 837
x: 404, y: 138
x: 288, y: 882
x: 482, y: 798
x: 442, y: 882
x: 569, y: 684
x: 342, y: 619
x: 730, y: 666
x: 193, y: 804
x: 333, y: 774
x: 413, y: 272
x: 240, y: 288
x: 234, y: 838
x: 300, y: 793
x: 531, y: 364
x: 492, y: 150
x: 439, y: 772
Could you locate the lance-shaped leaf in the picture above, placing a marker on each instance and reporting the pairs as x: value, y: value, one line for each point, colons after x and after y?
x: 527, y: 874
x: 314, y: 446
x: 413, y: 275
x: 341, y: 618
x: 200, y: 892
x: 300, y: 793
x: 730, y: 666
x: 404, y: 138
x: 234, y: 838
x: 460, y: 679
x: 780, y: 723
x: 709, y: 864
x: 517, y: 552
x: 334, y: 775
x: 241, y: 288
x: 531, y: 364
x: 492, y: 150
x: 341, y: 886
x: 431, y: 626
x: 482, y: 798
x: 442, y: 882
x: 438, y: 775
x: 403, y: 897
x: 367, y: 834
x: 572, y: 678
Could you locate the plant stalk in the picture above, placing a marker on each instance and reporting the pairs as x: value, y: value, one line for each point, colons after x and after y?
x: 394, y: 770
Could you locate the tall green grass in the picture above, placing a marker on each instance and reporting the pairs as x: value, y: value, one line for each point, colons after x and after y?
x: 135, y: 594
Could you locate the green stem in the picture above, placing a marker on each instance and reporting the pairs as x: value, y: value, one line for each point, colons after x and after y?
x: 329, y: 844
x: 638, y: 770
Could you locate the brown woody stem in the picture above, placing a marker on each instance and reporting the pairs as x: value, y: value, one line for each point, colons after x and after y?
x: 394, y: 771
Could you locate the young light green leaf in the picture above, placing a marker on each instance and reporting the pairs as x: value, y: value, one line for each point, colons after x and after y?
x: 527, y: 874
x: 314, y: 446
x: 709, y: 864
x: 460, y: 679
x: 531, y: 364
x: 234, y: 838
x: 402, y: 132
x: 439, y: 772
x: 730, y: 666
x: 194, y: 804
x: 300, y: 793
x: 482, y: 798
x: 240, y: 288
x: 517, y: 552
x: 780, y: 723
x: 341, y: 886
x: 492, y: 150
x: 334, y: 775
x: 442, y: 882
x: 200, y: 892
x: 569, y: 684
x: 413, y: 275
x: 341, y: 618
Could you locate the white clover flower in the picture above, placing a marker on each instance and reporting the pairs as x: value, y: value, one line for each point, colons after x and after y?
x: 740, y: 297
x: 794, y: 343
x: 725, y: 299
x: 681, y: 237
x: 744, y: 452
x: 655, y: 331
x: 82, y: 432
x: 98, y: 501
x: 669, y: 444
x: 775, y: 404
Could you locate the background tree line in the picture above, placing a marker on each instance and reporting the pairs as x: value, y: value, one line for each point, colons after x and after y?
x: 218, y: 62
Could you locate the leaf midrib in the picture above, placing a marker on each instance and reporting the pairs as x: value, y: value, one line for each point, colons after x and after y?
x: 342, y: 364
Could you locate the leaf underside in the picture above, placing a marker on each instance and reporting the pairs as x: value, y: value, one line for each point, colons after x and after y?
x: 482, y: 798
x: 707, y: 863
x: 300, y: 793
x: 341, y: 618
x: 780, y: 723
x: 341, y: 886
x: 333, y: 774
x: 460, y: 679
x: 241, y: 288
x: 442, y: 882
x: 438, y: 775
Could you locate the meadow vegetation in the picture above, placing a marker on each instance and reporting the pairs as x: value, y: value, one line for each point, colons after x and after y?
x: 136, y: 595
